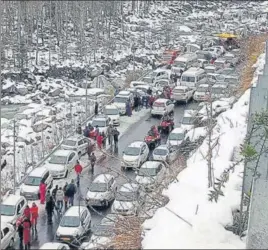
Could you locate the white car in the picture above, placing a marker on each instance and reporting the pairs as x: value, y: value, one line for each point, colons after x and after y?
x: 165, y: 153
x: 161, y: 106
x: 12, y: 208
x: 75, y: 223
x: 55, y: 246
x: 151, y: 174
x: 101, y: 191
x: 135, y: 154
x: 182, y: 93
x: 102, y: 121
x: 121, y: 99
x: 77, y: 143
x: 8, y: 234
x: 210, y: 69
x: 61, y: 163
x: 176, y: 137
x: 189, y: 119
x: 221, y: 63
x: 30, y: 187
x: 113, y: 113
x: 219, y: 91
x: 128, y: 200
x: 202, y: 93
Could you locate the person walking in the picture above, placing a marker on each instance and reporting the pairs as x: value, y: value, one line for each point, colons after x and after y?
x: 110, y: 134
x: 79, y: 129
x: 78, y: 168
x: 136, y: 102
x: 59, y: 199
x: 97, y: 131
x: 92, y: 162
x: 42, y: 191
x: 54, y: 191
x: 70, y: 192
x: 96, y: 108
x: 34, y: 216
x: 128, y: 109
x: 19, y: 226
x: 48, y: 195
x: 103, y: 140
x: 99, y: 140
x: 116, y: 137
x: 26, y: 233
x: 90, y: 149
x: 27, y: 212
x: 50, y: 205
x: 65, y: 196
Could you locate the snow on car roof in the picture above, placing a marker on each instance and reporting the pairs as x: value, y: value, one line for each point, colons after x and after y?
x: 75, y: 137
x: 124, y: 92
x: 51, y: 245
x: 210, y: 67
x: 181, y: 87
x: 223, y: 86
x: 111, y: 106
x: 38, y: 172
x: 163, y: 146
x: 204, y: 85
x: 150, y: 164
x: 178, y: 131
x: 161, y: 100
x: 74, y: 210
x: 128, y: 187
x: 12, y: 199
x: 189, y: 112
x: 103, y: 178
x: 136, y: 144
x: 62, y: 152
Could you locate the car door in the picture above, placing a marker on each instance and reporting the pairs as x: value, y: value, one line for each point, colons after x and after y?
x: 71, y: 160
x: 80, y: 146
x: 46, y: 179
x: 87, y: 220
x: 111, y: 188
x: 143, y: 153
x: 6, y: 237
x: 20, y: 208
x: 173, y: 153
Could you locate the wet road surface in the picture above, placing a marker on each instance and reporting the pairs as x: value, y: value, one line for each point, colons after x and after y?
x: 137, y: 131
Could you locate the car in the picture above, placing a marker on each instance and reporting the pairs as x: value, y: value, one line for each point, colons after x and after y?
x: 8, y: 234
x: 176, y: 137
x: 75, y: 223
x: 54, y: 245
x: 210, y: 69
x: 182, y: 93
x: 102, y: 121
x: 189, y: 119
x: 77, y: 143
x: 61, y: 163
x: 111, y: 218
x: 161, y: 83
x: 30, y: 187
x: 151, y: 174
x: 221, y: 63
x: 162, y: 106
x: 165, y: 153
x: 219, y: 91
x: 128, y: 200
x: 121, y: 100
x: 135, y: 154
x: 202, y: 93
x: 101, y: 191
x: 231, y: 58
x: 12, y: 208
x: 113, y: 113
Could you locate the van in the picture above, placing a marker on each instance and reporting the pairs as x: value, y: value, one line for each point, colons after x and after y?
x: 184, y: 62
x: 193, y: 77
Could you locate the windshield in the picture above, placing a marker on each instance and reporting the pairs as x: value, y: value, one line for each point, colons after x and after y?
x: 98, y: 123
x: 176, y: 136
x: 202, y: 89
x: 132, y: 151
x: 161, y: 83
x: 57, y: 159
x: 126, y: 196
x: 69, y: 143
x: 187, y: 120
x: 188, y: 78
x: 120, y: 99
x: 159, y: 104
x: 33, y: 181
x: 160, y: 151
x: 98, y: 187
x: 210, y: 70
x: 111, y: 112
x: 179, y: 90
x: 218, y: 90
x: 7, y: 210
x: 70, y: 221
x: 219, y: 64
x: 147, y: 172
x: 179, y: 64
x: 103, y: 230
x: 228, y: 57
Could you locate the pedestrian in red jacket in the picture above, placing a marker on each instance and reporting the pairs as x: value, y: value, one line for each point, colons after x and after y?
x: 27, y: 212
x: 78, y: 168
x: 99, y: 140
x: 26, y: 233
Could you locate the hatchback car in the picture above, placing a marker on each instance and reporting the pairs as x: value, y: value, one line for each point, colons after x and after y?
x: 176, y: 137
x: 135, y: 154
x: 165, y: 153
x: 75, y: 223
x: 8, y: 234
x: 55, y: 246
x: 128, y: 200
x: 101, y: 191
x: 219, y: 90
x: 102, y: 121
x: 113, y: 113
x: 12, y: 208
x: 77, y: 143
x: 30, y: 187
x: 61, y: 163
x: 151, y: 174
x: 162, y: 106
x: 202, y: 93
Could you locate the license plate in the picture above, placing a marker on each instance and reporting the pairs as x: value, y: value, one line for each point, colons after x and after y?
x: 66, y: 239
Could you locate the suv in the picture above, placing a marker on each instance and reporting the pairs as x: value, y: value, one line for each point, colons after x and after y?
x: 12, y: 208
x: 78, y: 143
x: 101, y: 191
x: 161, y: 106
x: 102, y: 121
x: 30, y: 187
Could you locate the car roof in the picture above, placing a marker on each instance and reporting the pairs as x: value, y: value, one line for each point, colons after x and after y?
x: 210, y: 67
x: 12, y: 199
x: 204, y: 85
x: 111, y: 106
x: 221, y: 60
x: 51, y: 245
x: 75, y: 137
x: 150, y: 164
x: 177, y: 130
x: 61, y: 152
x: 180, y: 87
x: 124, y: 92
x: 129, y: 187
x: 219, y: 86
x: 136, y: 144
x: 100, y: 117
x: 74, y: 210
x: 103, y: 178
x: 161, y: 100
x: 38, y: 172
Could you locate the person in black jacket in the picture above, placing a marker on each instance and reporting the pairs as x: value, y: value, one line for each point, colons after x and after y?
x: 50, y: 205
x: 116, y: 136
x: 54, y: 191
x: 70, y: 192
x: 96, y: 108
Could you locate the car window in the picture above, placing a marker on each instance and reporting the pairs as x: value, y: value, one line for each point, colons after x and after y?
x: 84, y: 215
x: 85, y: 140
x: 1, y: 235
x: 111, y: 182
x: 6, y: 230
x: 46, y: 176
x: 71, y: 156
x: 80, y: 142
x: 159, y: 168
x: 143, y: 148
x: 22, y: 203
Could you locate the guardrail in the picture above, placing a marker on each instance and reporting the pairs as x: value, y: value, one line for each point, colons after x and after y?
x: 72, y: 133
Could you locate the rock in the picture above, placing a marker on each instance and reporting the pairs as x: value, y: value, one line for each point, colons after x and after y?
x: 39, y: 127
x: 55, y: 92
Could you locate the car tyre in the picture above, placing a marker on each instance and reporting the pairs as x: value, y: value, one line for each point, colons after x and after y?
x: 66, y: 174
x: 79, y: 154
